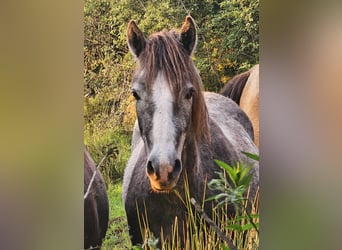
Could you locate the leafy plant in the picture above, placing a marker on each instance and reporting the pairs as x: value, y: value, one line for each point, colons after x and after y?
x: 234, y: 192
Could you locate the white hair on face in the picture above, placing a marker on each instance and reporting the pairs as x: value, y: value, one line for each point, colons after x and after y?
x: 163, y: 131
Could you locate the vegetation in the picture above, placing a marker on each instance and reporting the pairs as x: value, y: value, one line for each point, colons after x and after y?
x: 242, y: 230
x: 117, y: 237
x: 228, y: 43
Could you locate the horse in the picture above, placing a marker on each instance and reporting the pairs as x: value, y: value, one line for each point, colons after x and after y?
x: 179, y: 132
x: 96, y: 206
x: 244, y: 90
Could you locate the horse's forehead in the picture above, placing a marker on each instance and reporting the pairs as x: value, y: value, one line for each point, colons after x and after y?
x: 158, y: 84
x: 161, y: 89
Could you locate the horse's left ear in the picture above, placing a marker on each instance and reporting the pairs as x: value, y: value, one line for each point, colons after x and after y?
x: 188, y: 35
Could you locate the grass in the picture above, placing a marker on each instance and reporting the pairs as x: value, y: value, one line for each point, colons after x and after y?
x: 117, y: 237
x: 200, y: 235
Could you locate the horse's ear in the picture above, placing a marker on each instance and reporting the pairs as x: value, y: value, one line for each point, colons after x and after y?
x: 188, y: 34
x: 135, y: 38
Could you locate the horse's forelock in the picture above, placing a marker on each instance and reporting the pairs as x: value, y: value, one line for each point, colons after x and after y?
x: 164, y: 53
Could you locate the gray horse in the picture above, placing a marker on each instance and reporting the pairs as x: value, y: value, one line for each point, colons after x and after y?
x: 179, y: 132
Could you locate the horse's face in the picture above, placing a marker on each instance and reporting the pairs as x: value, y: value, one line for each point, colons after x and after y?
x: 164, y: 108
x: 163, y: 123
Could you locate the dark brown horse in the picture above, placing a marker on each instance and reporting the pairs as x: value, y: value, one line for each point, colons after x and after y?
x: 244, y: 90
x: 96, y: 208
x: 179, y: 133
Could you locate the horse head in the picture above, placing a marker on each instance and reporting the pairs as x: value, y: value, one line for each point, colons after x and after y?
x: 169, y: 103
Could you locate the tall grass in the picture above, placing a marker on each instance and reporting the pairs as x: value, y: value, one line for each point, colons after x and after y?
x: 200, y: 235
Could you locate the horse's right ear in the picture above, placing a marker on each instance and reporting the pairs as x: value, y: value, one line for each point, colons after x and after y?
x: 135, y: 38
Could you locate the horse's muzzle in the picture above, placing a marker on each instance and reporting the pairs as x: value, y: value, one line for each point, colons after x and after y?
x: 163, y: 177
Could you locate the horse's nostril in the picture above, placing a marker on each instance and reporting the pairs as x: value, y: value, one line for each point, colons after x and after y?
x: 178, y: 167
x: 150, y: 168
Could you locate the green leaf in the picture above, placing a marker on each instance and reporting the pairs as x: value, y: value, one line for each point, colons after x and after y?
x: 236, y: 227
x: 221, y: 196
x: 245, y: 181
x: 231, y: 171
x: 217, y: 184
x: 249, y: 226
x: 252, y: 156
x: 223, y: 165
x: 245, y: 171
x: 211, y: 198
x: 221, y: 203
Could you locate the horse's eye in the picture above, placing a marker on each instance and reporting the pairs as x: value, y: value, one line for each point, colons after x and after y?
x: 135, y: 94
x: 190, y: 93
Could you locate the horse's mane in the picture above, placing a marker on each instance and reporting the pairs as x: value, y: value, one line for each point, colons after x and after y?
x: 235, y: 86
x: 165, y: 53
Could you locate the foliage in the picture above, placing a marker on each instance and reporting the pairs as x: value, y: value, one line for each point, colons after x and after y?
x: 228, y: 39
x: 228, y: 43
x: 114, y: 142
x: 234, y: 192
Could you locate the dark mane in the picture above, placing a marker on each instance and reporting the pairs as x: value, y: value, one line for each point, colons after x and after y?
x: 165, y: 53
x: 235, y: 86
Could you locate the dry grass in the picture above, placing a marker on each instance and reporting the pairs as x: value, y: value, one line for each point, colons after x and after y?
x: 201, y: 236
